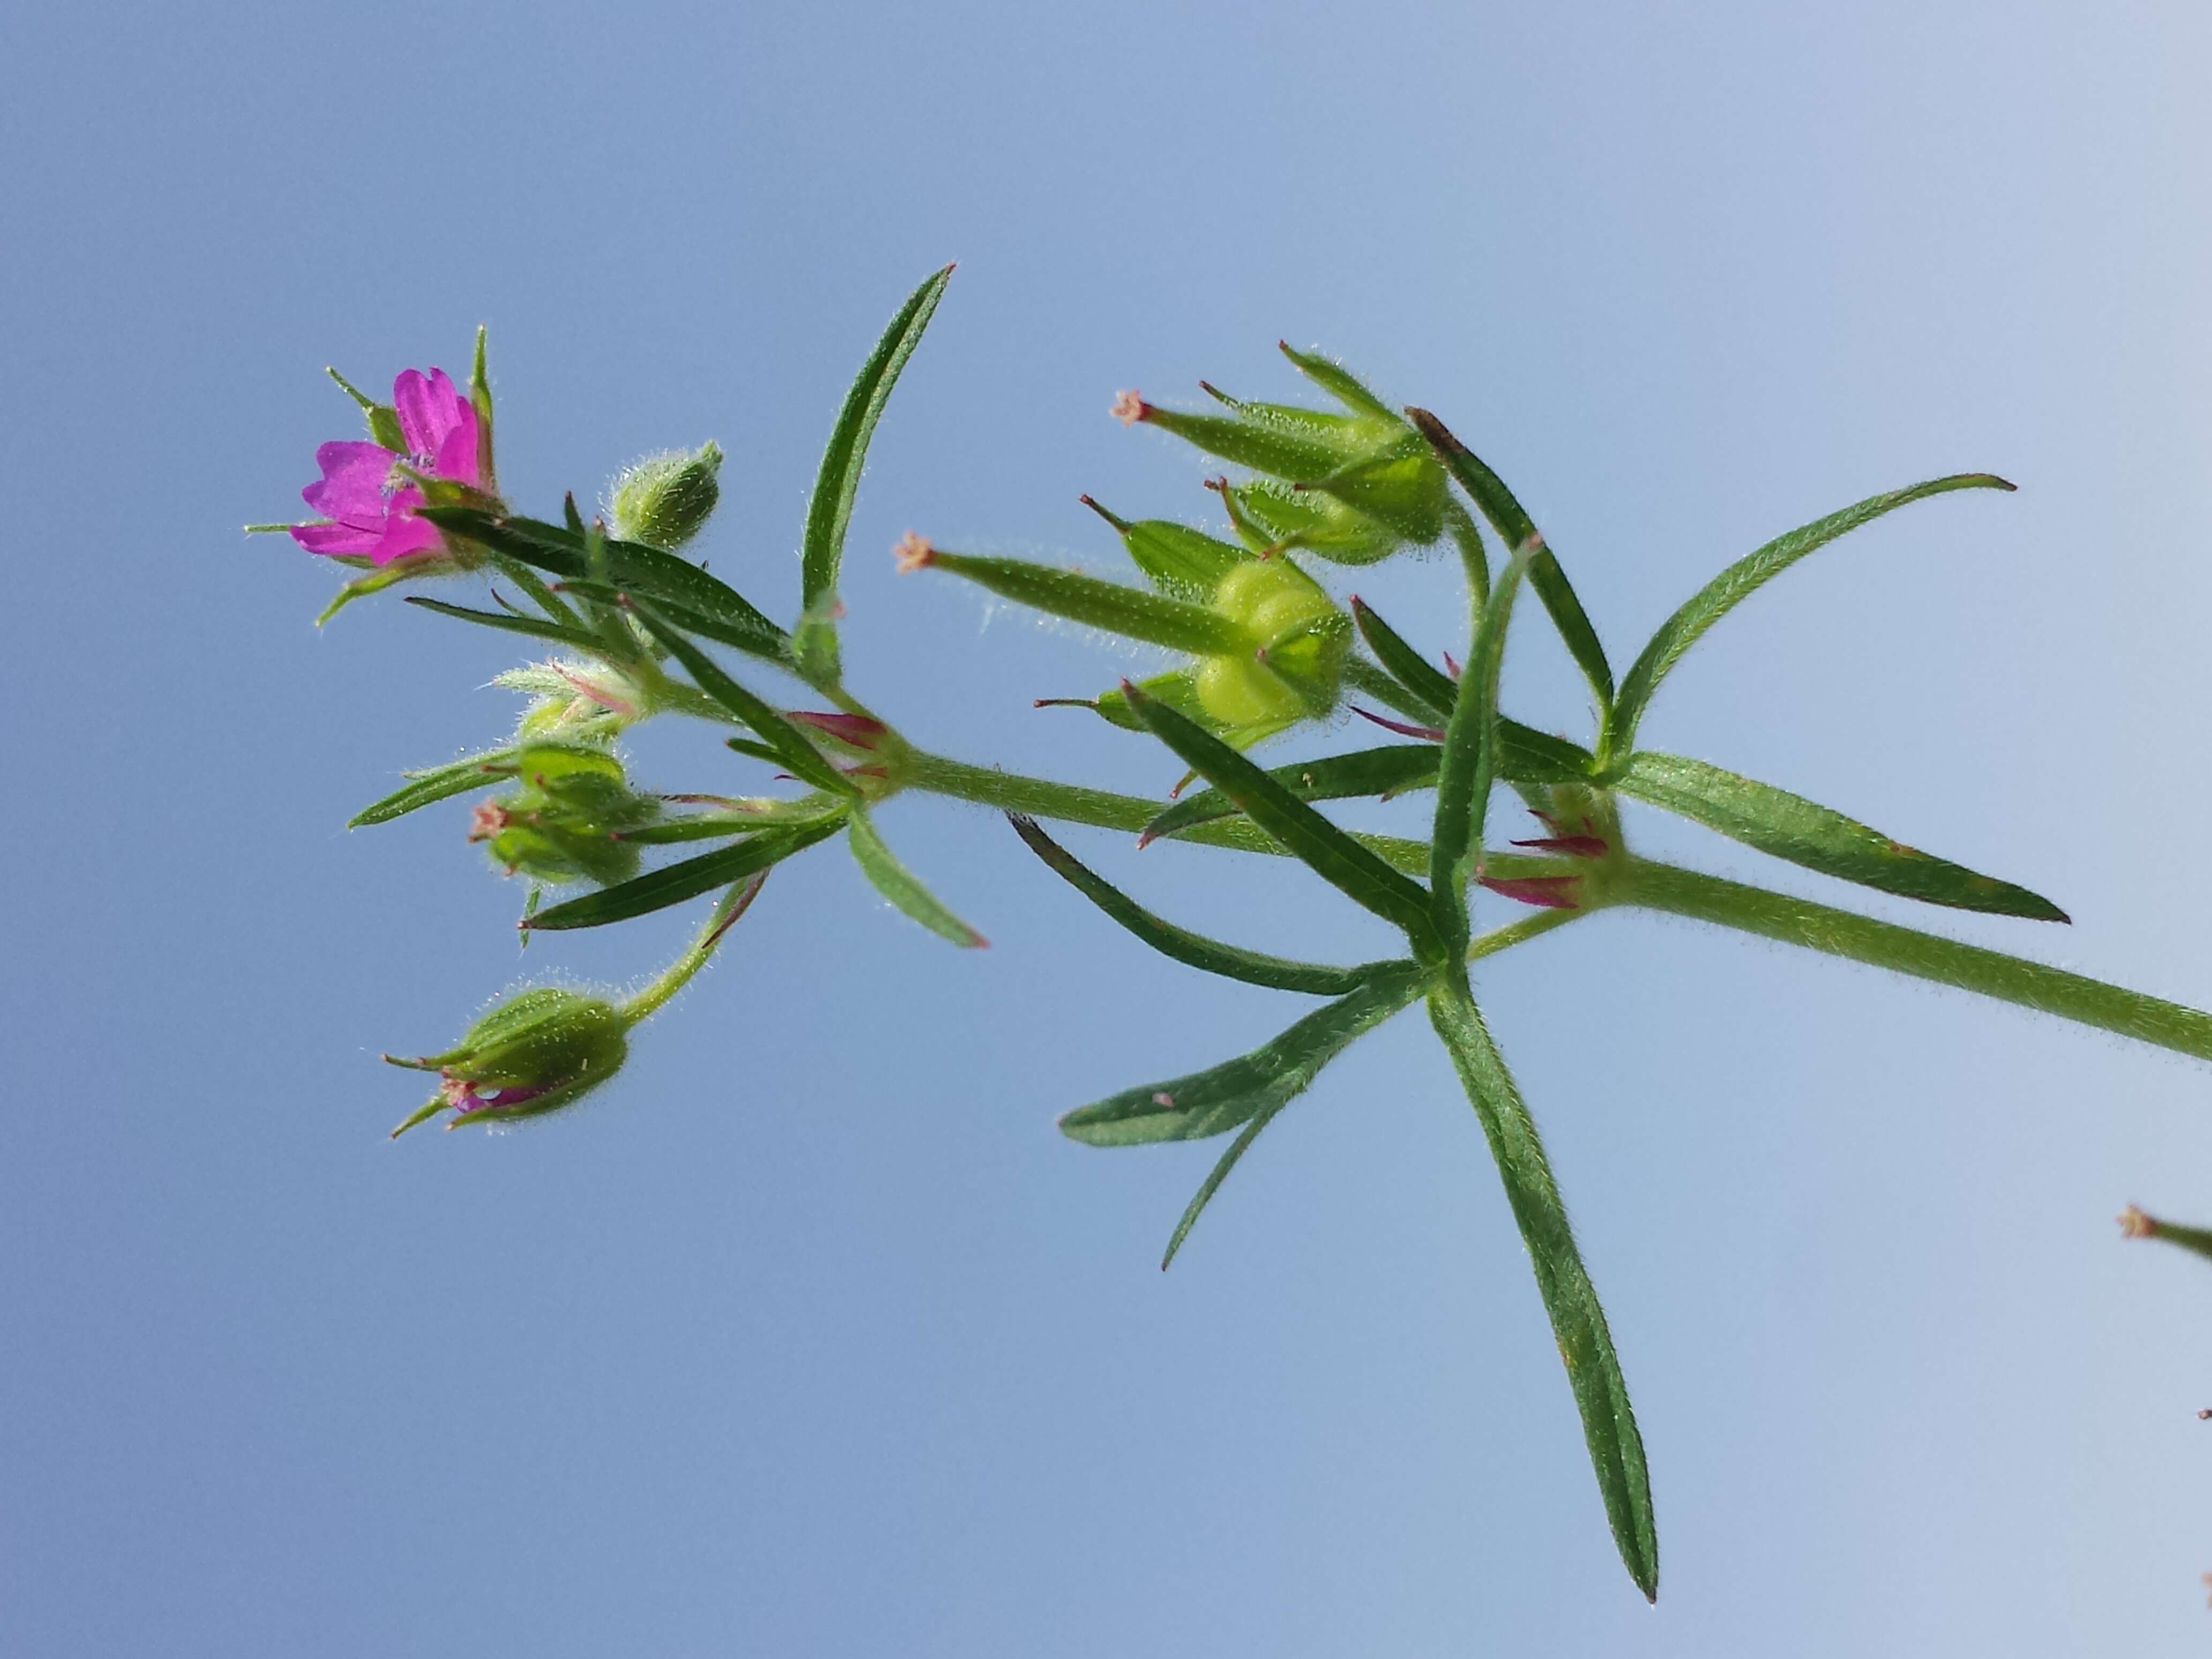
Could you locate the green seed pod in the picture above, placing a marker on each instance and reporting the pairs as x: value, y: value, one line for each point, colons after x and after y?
x: 565, y: 822
x: 665, y: 499
x: 538, y: 1050
x: 1297, y: 666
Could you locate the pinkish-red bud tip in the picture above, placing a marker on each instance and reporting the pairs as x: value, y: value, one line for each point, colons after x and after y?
x: 913, y: 553
x: 1130, y: 407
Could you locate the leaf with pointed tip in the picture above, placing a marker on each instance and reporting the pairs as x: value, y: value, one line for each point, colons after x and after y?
x: 1214, y: 1177
x: 577, y: 638
x: 437, y: 783
x: 830, y: 510
x: 534, y: 584
x: 1175, y: 623
x: 1219, y: 1098
x: 1518, y: 530
x: 1616, y: 1449
x: 805, y: 761
x: 1427, y: 682
x: 900, y: 885
x: 1229, y: 961
x: 1305, y: 834
x: 648, y: 573
x: 1468, y: 764
x: 1388, y: 769
x: 1805, y: 833
x: 1746, y: 577
x: 659, y: 889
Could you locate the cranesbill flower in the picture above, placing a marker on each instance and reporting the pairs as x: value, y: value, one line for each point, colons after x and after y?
x: 367, y: 495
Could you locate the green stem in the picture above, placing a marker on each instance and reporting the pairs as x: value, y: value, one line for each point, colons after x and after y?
x: 1516, y: 933
x: 1907, y: 950
x: 1072, y: 803
x: 673, y: 978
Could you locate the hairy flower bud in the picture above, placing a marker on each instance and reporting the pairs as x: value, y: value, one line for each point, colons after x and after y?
x: 538, y: 1050
x: 665, y: 499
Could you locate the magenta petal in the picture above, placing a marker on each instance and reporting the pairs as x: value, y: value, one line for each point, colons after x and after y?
x: 338, y: 538
x: 428, y: 407
x: 352, y: 486
x: 457, y: 454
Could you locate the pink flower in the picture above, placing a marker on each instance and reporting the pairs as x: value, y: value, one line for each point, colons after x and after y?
x: 366, y: 502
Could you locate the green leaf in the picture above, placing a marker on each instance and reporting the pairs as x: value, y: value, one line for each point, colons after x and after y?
x: 899, y: 885
x: 1518, y: 531
x: 1175, y: 623
x: 1388, y: 769
x: 1428, y: 682
x: 436, y: 784
x: 1469, y: 764
x: 830, y: 510
x: 542, y: 628
x: 1746, y: 577
x: 1805, y: 833
x: 791, y: 748
x: 1219, y: 1098
x: 534, y: 584
x: 649, y: 573
x: 1229, y: 961
x: 659, y: 889
x: 1616, y: 1449
x: 1303, y: 833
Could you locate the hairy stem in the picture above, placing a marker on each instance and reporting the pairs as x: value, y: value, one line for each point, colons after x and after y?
x: 678, y: 975
x: 1907, y: 950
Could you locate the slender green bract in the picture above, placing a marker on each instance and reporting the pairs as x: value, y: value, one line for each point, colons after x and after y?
x: 1388, y: 769
x: 901, y: 886
x: 1805, y: 833
x: 578, y: 639
x: 830, y: 511
x: 631, y: 567
x: 1427, y: 682
x: 1229, y: 961
x: 1616, y: 1449
x: 1746, y: 577
x: 1217, y: 1100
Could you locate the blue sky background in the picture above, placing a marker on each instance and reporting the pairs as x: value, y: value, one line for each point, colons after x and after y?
x: 811, y: 1335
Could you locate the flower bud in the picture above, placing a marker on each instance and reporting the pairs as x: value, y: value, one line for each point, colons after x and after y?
x: 537, y: 1051
x: 565, y: 821
x: 665, y: 499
